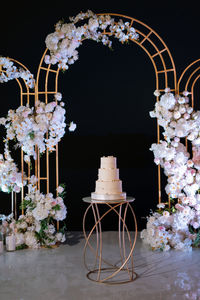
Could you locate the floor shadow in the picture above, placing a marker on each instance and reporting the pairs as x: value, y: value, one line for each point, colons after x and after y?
x: 73, y: 237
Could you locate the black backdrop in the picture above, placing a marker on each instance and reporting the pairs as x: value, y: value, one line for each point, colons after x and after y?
x: 107, y: 93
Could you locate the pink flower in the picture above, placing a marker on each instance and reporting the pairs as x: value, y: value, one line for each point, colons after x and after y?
x: 161, y: 227
x: 157, y: 161
x: 53, y: 203
x: 166, y: 214
x: 179, y: 207
x: 16, y: 189
x: 59, y: 200
x: 39, y: 110
x: 5, y: 224
x: 25, y: 114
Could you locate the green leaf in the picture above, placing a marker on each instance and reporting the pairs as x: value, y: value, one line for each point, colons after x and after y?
x: 56, y: 207
x: 31, y: 135
x: 196, y: 242
x: 22, y: 246
x: 27, y: 204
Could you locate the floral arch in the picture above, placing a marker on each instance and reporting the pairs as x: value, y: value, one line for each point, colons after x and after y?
x: 177, y: 226
x: 149, y: 41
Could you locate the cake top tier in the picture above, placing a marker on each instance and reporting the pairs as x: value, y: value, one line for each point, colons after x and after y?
x: 108, y: 162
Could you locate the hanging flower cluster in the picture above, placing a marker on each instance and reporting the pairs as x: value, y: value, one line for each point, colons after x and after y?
x: 179, y: 226
x: 63, y: 43
x: 10, y: 71
x: 10, y: 177
x: 42, y: 125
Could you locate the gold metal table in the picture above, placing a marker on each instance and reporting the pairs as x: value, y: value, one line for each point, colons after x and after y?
x: 103, y: 271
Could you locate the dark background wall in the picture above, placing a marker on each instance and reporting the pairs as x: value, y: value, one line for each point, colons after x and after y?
x: 108, y: 93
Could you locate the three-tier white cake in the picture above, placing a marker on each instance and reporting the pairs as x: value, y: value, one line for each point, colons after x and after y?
x: 108, y: 185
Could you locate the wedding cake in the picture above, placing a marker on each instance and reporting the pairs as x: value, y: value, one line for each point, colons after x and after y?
x: 108, y: 185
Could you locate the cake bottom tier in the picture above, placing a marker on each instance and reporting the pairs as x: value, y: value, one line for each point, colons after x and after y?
x: 108, y: 197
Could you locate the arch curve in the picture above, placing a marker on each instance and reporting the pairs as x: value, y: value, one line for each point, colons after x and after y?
x: 154, y: 47
x: 189, y: 78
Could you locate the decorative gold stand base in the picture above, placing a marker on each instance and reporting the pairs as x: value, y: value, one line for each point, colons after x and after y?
x: 111, y: 274
x: 111, y: 271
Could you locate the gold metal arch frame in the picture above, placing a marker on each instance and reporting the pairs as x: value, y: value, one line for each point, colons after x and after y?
x: 187, y: 82
x: 165, y: 75
x: 189, y: 78
x: 26, y: 97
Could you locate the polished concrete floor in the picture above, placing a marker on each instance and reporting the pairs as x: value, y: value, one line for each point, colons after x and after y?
x: 55, y: 274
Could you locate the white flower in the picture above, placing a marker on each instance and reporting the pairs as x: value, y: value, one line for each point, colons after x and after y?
x: 177, y: 115
x: 167, y: 101
x: 58, y: 96
x: 60, y: 189
x: 60, y: 237
x: 157, y: 93
x: 19, y: 239
x: 72, y: 126
x: 185, y: 93
x: 30, y: 239
x: 161, y: 205
x: 40, y: 212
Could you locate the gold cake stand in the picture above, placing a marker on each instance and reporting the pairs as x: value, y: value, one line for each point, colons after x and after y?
x: 103, y: 271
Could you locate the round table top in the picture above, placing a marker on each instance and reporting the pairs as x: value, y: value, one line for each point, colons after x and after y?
x: 90, y: 200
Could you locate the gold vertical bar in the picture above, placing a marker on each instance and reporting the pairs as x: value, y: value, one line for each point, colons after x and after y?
x: 57, y: 177
x: 22, y: 190
x: 15, y: 206
x: 47, y: 150
x: 38, y: 168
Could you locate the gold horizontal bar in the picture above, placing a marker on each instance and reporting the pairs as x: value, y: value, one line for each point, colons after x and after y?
x: 51, y: 70
x: 28, y: 178
x: 28, y: 93
x: 46, y: 92
x: 162, y: 90
x: 163, y: 71
x: 157, y: 53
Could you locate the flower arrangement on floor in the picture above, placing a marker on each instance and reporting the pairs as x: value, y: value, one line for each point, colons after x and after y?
x: 42, y: 125
x: 10, y: 71
x: 36, y: 227
x: 177, y: 226
x: 64, y: 42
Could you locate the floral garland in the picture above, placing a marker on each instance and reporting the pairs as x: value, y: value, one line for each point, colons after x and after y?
x: 12, y: 72
x: 63, y: 43
x: 176, y: 227
x: 36, y: 228
x: 30, y: 126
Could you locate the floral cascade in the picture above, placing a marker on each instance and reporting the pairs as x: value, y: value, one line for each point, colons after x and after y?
x: 10, y: 177
x: 63, y: 43
x: 177, y: 226
x: 37, y: 228
x: 10, y: 71
x: 42, y: 126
